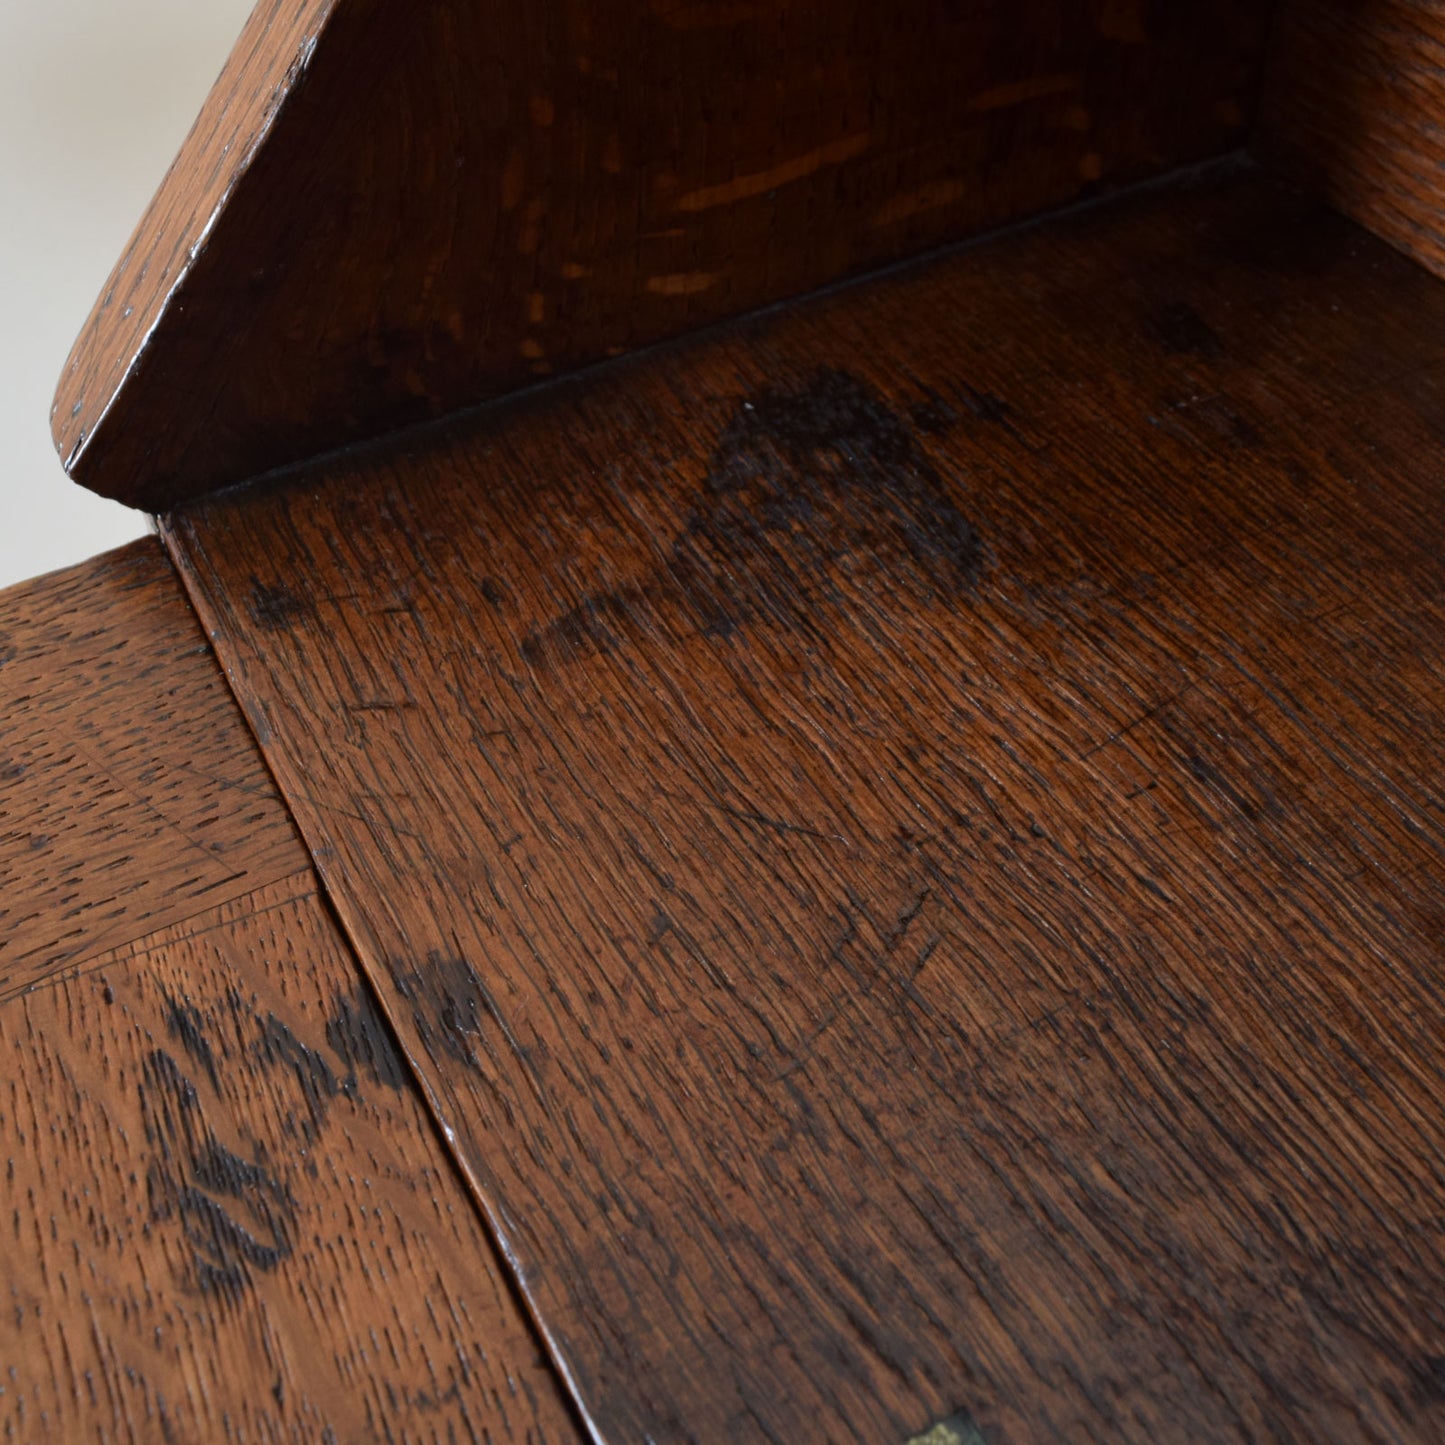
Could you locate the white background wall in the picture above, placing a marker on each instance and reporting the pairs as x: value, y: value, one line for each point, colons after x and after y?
x: 95, y: 99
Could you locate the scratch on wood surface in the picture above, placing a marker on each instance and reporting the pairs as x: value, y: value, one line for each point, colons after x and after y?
x: 683, y: 283
x: 742, y: 187
x: 1020, y: 92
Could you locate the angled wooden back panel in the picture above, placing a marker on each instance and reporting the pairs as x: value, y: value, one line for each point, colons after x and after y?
x: 453, y: 199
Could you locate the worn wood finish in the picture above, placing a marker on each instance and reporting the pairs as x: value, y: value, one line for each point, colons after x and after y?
x: 131, y: 796
x: 453, y: 198
x: 906, y: 838
x: 149, y: 280
x: 226, y: 1214
x: 1356, y: 107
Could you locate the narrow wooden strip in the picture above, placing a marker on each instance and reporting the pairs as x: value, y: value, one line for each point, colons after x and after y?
x: 394, y: 208
x: 906, y: 839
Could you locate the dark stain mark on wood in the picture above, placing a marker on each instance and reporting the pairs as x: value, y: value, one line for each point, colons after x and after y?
x: 278, y: 1046
x: 1182, y: 331
x: 983, y: 405
x: 819, y: 477
x: 935, y: 415
x: 1429, y: 1374
x: 359, y: 1037
x: 274, y: 609
x: 186, y: 1024
x: 808, y: 487
x: 445, y: 996
x: 191, y: 1172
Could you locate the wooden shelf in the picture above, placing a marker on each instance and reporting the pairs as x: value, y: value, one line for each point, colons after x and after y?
x: 904, y: 836
x: 227, y: 1211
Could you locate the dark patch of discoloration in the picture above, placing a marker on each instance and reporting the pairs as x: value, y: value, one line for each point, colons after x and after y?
x: 1226, y: 423
x: 1428, y: 1374
x: 597, y: 625
x: 8, y: 651
x: 1265, y: 805
x: 236, y: 1214
x: 275, y: 609
x: 827, y: 477
x: 446, y: 999
x: 810, y: 491
x: 933, y: 416
x: 983, y: 405
x: 186, y: 1024
x: 278, y: 1046
x: 359, y: 1037
x: 1182, y: 331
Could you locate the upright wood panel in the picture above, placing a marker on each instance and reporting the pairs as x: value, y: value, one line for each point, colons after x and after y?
x: 226, y: 1214
x: 451, y: 199
x: 906, y: 838
x: 1356, y: 108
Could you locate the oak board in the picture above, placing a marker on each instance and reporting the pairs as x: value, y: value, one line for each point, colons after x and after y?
x: 393, y: 208
x: 905, y: 836
x: 226, y: 1212
x: 131, y: 794
x: 1354, y: 106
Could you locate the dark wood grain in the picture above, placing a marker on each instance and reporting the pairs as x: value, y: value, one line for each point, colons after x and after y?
x: 451, y: 199
x: 131, y: 794
x: 1356, y: 108
x: 906, y: 838
x: 226, y: 1212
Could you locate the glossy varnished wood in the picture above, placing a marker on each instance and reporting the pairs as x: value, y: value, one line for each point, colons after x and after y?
x: 226, y: 1212
x: 426, y: 204
x: 147, y: 282
x: 1356, y: 107
x: 906, y: 838
x: 131, y: 795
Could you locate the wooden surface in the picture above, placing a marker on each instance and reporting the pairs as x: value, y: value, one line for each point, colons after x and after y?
x: 227, y: 1215
x: 453, y: 199
x: 1356, y: 108
x: 153, y: 274
x: 130, y: 794
x: 906, y: 838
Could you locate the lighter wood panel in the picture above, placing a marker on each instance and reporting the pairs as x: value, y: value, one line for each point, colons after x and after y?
x: 226, y: 1213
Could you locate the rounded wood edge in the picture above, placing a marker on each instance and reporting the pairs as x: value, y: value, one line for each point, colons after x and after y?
x: 271, y: 55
